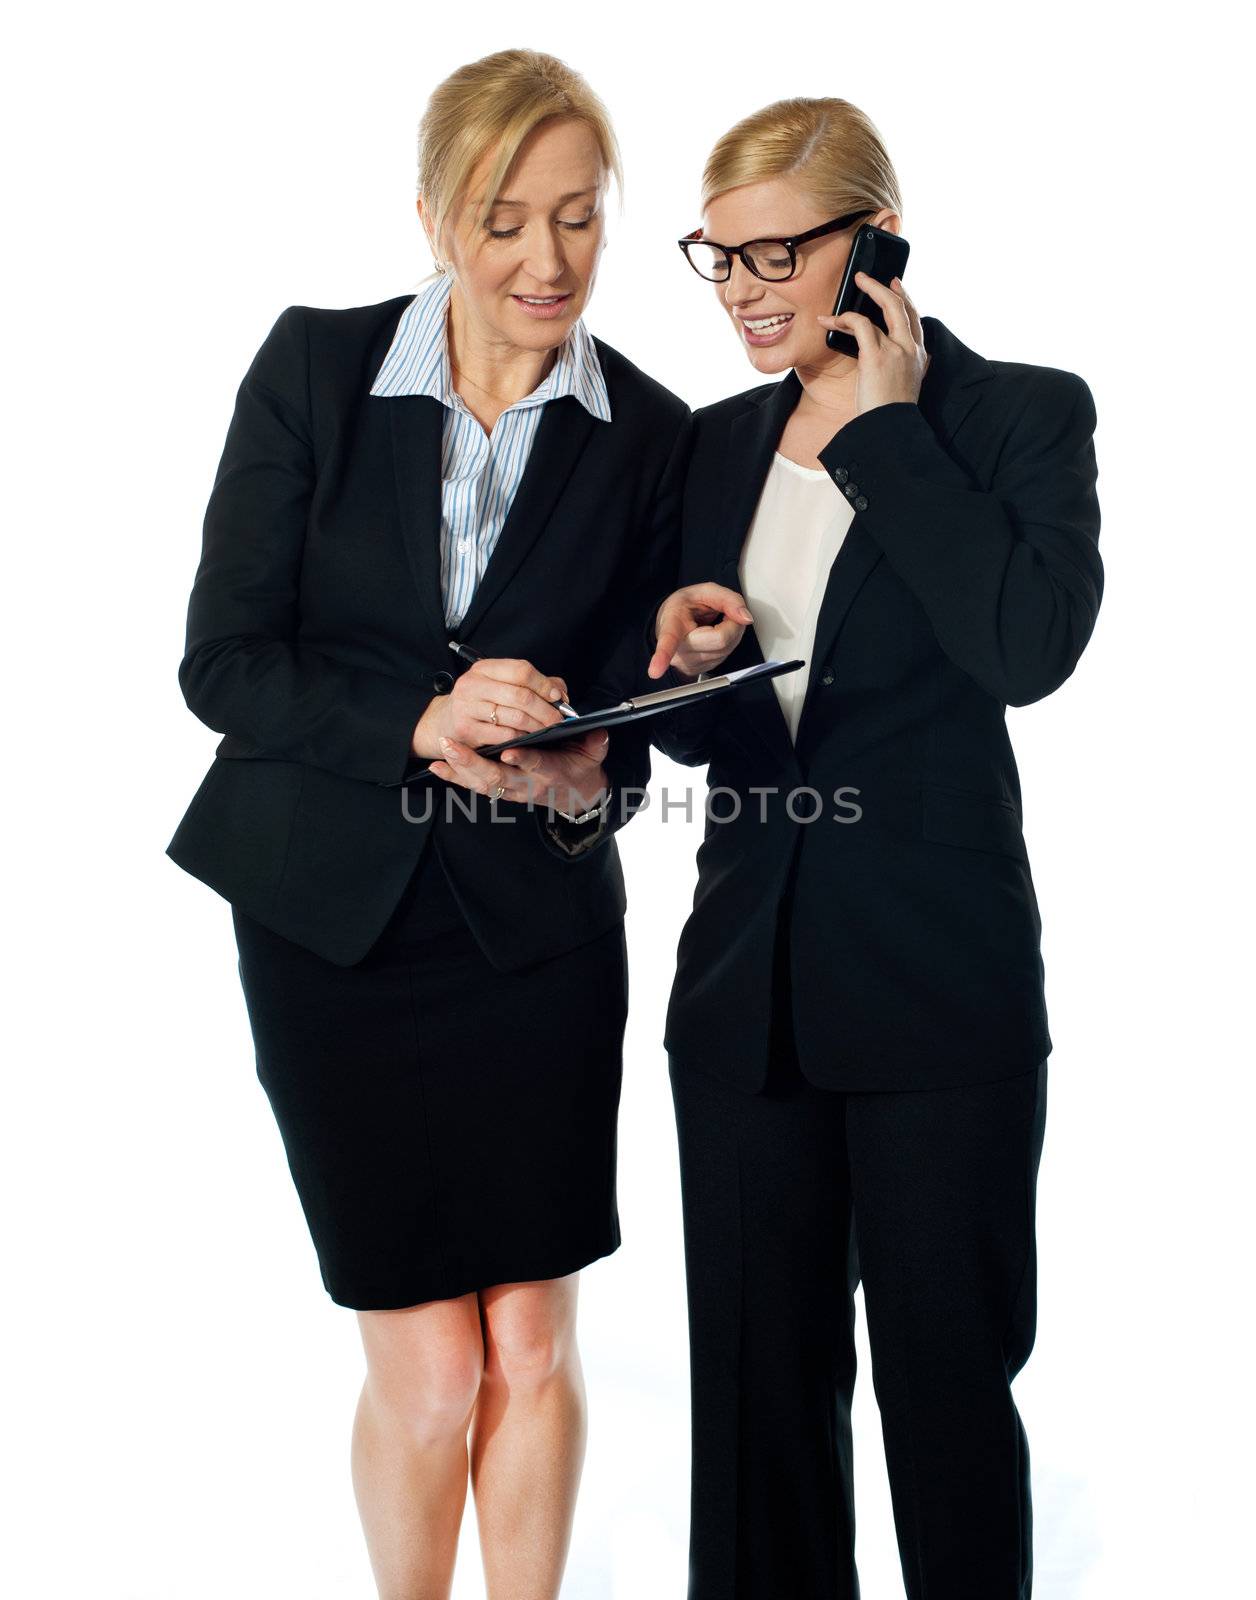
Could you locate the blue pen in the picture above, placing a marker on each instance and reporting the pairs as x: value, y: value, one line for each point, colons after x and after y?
x: 468, y: 654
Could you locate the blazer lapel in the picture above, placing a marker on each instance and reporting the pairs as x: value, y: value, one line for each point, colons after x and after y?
x: 417, y: 424
x: 564, y: 430
x: 951, y: 386
x: 753, y: 437
x: 856, y: 556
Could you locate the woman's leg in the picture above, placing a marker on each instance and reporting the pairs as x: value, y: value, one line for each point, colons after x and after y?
x: 770, y: 1272
x: 944, y: 1183
x: 528, y: 1436
x: 424, y: 1367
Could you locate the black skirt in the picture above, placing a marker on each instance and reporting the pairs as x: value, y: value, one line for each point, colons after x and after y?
x: 447, y: 1126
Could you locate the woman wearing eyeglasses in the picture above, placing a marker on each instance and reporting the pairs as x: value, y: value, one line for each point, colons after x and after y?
x: 857, y: 1031
x: 431, y: 940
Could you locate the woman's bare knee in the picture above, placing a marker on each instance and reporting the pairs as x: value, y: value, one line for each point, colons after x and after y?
x: 529, y: 1331
x: 425, y: 1365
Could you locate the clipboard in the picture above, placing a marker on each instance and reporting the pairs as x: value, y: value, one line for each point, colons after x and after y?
x: 636, y: 709
x: 644, y: 705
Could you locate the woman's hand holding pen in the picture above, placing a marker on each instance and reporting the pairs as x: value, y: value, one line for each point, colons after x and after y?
x: 497, y: 696
x: 490, y: 701
x: 696, y: 628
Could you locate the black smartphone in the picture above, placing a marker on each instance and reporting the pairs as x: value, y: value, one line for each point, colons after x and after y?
x: 882, y: 256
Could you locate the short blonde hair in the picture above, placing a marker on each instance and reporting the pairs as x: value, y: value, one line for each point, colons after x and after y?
x: 828, y: 146
x: 496, y: 102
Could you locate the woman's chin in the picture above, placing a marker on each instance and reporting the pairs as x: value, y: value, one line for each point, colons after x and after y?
x: 769, y: 358
x: 798, y: 353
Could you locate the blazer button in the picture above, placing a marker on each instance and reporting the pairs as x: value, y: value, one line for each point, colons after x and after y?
x: 852, y: 489
x: 442, y: 682
x: 861, y: 502
x: 840, y: 474
x: 827, y: 679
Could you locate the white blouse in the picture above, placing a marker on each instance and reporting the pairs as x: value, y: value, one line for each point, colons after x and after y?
x: 798, y: 528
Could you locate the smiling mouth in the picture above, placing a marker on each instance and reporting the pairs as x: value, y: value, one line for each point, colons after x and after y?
x: 767, y: 324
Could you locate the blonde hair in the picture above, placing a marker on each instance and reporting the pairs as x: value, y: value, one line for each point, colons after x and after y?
x: 829, y: 147
x: 496, y: 102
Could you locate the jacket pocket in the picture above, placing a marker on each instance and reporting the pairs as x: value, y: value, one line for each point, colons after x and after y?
x: 235, y: 834
x: 971, y: 820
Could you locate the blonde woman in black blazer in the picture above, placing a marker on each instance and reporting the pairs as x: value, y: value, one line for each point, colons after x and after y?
x: 437, y: 991
x: 857, y: 1030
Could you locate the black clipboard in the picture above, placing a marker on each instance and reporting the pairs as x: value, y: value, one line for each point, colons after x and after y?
x: 656, y: 703
x: 645, y: 705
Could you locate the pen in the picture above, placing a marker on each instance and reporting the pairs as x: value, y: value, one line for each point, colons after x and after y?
x: 468, y: 654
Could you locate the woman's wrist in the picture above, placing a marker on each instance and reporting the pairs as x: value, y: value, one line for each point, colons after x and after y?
x: 425, y: 740
x: 591, y: 794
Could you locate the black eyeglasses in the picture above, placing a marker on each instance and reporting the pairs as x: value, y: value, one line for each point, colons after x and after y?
x: 771, y: 259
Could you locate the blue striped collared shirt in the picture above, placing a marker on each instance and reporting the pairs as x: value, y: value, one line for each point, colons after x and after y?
x: 479, y: 472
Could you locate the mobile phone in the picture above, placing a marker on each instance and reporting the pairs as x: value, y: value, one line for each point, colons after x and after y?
x: 882, y: 256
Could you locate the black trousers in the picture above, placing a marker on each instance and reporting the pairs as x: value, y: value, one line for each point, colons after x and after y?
x: 792, y: 1195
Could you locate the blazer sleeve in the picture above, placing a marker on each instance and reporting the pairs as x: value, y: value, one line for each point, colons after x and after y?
x: 622, y: 673
x: 1010, y: 578
x: 245, y: 671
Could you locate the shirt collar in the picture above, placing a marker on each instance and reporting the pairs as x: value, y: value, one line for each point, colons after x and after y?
x: 418, y: 360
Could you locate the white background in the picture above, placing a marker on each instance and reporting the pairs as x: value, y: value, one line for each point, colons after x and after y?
x: 181, y: 1387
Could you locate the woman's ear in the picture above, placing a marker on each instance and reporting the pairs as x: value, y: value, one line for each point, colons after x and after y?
x: 425, y: 217
x: 889, y: 220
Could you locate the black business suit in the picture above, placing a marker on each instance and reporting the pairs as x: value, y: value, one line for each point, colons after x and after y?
x: 315, y: 640
x: 858, y: 1024
x: 316, y: 652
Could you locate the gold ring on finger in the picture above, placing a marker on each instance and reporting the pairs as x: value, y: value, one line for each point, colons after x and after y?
x: 492, y: 716
x: 499, y: 791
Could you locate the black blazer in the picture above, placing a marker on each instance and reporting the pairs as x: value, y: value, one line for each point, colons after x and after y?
x: 315, y: 638
x: 969, y: 580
